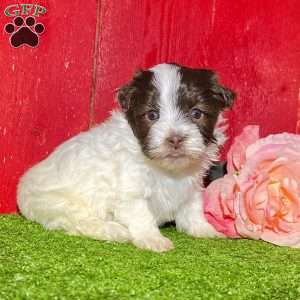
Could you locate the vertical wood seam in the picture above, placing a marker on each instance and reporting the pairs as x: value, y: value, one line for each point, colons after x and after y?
x: 94, y: 68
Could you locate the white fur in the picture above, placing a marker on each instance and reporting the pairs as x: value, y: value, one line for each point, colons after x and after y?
x: 100, y: 184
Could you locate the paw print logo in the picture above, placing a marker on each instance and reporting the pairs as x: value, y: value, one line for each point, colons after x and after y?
x: 24, y: 32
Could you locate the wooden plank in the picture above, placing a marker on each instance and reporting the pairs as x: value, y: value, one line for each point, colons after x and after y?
x: 44, y: 91
x: 253, y: 45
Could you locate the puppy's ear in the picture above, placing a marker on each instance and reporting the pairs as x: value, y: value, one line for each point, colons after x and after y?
x: 124, y: 96
x: 208, y: 79
x: 125, y: 93
x: 227, y: 95
x: 224, y: 94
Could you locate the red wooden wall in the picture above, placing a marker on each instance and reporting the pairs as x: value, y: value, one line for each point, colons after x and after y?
x: 65, y: 85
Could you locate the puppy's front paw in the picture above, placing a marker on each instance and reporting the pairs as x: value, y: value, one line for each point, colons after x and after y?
x: 199, y: 230
x: 154, y: 243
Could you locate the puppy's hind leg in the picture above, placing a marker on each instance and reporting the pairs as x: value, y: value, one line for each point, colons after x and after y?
x: 66, y: 211
x: 103, y: 230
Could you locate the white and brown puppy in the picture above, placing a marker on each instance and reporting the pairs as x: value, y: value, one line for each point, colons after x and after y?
x: 139, y: 169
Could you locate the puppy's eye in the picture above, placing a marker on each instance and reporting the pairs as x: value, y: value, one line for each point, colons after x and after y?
x: 196, y: 113
x: 152, y: 115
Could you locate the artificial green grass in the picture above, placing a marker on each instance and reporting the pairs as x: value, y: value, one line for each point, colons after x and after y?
x: 40, y: 264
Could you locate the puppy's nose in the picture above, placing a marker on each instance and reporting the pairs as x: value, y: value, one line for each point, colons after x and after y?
x: 175, y: 140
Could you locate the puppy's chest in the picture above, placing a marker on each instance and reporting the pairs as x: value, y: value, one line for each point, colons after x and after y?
x: 166, y: 197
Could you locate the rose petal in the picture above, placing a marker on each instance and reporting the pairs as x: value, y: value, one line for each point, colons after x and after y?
x: 291, y: 239
x: 218, y: 205
x: 272, y: 140
x: 236, y: 155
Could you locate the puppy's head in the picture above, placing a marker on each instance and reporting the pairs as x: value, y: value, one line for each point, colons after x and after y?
x: 173, y: 111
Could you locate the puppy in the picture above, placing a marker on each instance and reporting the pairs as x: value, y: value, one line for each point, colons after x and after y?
x: 141, y: 168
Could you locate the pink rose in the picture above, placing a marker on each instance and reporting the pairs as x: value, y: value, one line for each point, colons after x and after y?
x: 236, y: 156
x: 260, y: 196
x: 219, y: 199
